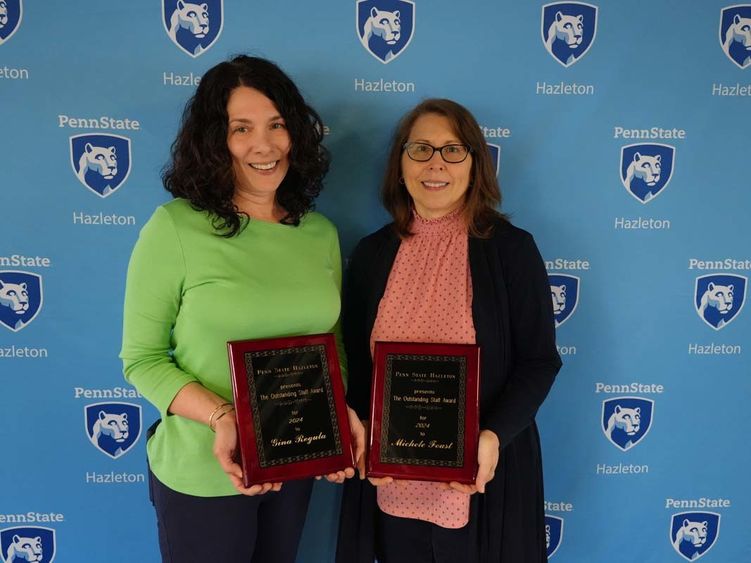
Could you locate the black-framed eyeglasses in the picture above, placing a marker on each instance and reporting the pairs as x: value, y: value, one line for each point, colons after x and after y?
x: 422, y: 152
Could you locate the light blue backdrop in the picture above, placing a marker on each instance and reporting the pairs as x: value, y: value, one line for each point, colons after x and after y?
x: 647, y: 73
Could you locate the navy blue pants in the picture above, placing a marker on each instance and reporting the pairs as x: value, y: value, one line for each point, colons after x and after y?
x: 241, y: 529
x: 405, y: 540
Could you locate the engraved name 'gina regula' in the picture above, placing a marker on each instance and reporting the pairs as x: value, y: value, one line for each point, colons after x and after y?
x: 299, y: 439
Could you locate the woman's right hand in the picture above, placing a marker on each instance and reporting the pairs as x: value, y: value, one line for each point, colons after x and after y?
x: 225, y: 446
x: 375, y: 481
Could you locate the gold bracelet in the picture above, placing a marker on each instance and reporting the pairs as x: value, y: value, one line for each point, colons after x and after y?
x: 213, y: 413
x: 213, y: 428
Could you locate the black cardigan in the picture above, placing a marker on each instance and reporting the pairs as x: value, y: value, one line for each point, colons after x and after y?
x: 513, y: 318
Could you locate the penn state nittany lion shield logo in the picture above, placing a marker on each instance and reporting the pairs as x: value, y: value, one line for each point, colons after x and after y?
x: 646, y: 169
x: 564, y: 291
x: 495, y: 155
x: 20, y: 298
x: 626, y: 420
x: 568, y: 30
x: 113, y: 428
x: 193, y: 26
x: 385, y: 27
x: 27, y: 543
x: 735, y: 33
x: 101, y: 162
x: 719, y: 298
x: 553, y: 534
x: 692, y: 534
x: 11, y: 13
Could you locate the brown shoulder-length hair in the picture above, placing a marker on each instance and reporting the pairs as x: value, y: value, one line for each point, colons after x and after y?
x: 483, y: 194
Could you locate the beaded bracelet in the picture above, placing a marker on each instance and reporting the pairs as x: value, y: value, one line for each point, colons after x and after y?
x: 230, y: 409
x: 213, y: 414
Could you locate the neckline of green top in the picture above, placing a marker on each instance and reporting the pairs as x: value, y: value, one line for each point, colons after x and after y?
x: 275, y: 224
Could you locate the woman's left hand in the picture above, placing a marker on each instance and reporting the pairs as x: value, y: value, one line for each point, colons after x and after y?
x: 488, y: 452
x: 358, y: 441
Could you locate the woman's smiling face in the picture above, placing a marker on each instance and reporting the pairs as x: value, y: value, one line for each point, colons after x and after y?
x: 258, y: 141
x: 437, y: 187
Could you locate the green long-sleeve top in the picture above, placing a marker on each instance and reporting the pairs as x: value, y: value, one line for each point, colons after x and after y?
x: 189, y: 291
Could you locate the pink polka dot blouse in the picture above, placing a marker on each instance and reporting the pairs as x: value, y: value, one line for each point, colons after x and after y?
x: 428, y: 298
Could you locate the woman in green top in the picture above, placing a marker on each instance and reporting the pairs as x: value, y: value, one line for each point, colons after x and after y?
x: 237, y: 254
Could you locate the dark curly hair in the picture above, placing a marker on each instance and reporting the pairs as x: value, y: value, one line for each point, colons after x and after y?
x: 200, y: 169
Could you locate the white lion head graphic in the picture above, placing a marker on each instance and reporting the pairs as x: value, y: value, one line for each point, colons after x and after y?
x: 693, y: 532
x: 24, y: 549
x: 15, y: 296
x: 3, y: 14
x: 114, y: 426
x: 101, y: 160
x: 569, y: 29
x: 191, y: 17
x: 628, y: 420
x: 646, y: 168
x: 383, y: 24
x: 738, y: 32
x: 717, y: 296
x: 558, y: 294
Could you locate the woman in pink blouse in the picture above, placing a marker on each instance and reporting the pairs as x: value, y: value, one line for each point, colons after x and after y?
x: 451, y: 269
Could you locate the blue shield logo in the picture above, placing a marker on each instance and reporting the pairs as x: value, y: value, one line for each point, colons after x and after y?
x: 553, y: 534
x: 113, y: 428
x: 101, y: 162
x: 11, y: 13
x: 385, y: 27
x: 495, y: 155
x: 568, y: 30
x: 626, y: 420
x: 646, y: 169
x: 719, y: 298
x: 193, y: 26
x: 694, y: 533
x: 735, y: 33
x: 27, y: 543
x: 564, y: 290
x: 20, y: 298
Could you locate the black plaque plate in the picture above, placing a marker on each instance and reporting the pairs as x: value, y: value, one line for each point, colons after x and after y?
x: 291, y: 413
x: 424, y: 421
